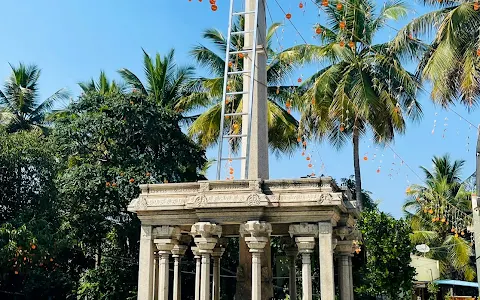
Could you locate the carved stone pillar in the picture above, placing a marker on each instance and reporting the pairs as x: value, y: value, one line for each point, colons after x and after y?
x: 350, y: 274
x: 292, y: 272
x: 164, y: 247
x: 198, y: 266
x: 167, y: 238
x: 343, y: 277
x: 178, y: 252
x: 217, y: 254
x: 256, y: 235
x: 155, y: 276
x: 344, y: 250
x: 305, y: 239
x: 305, y: 247
x: 146, y: 264
x: 327, y: 283
x: 205, y: 236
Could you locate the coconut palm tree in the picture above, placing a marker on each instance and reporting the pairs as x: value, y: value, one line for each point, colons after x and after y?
x: 452, y: 62
x: 282, y: 126
x: 103, y: 85
x: 430, y: 208
x: 364, y: 85
x: 171, y: 86
x: 20, y: 107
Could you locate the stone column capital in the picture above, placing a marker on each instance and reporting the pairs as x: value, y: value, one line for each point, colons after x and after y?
x: 206, y: 230
x: 259, y: 235
x: 305, y: 244
x: 343, y: 232
x: 165, y: 231
x: 164, y: 245
x: 303, y: 229
x: 218, y: 252
x: 344, y: 248
x: 205, y: 245
x: 256, y: 229
x: 205, y: 236
x: 196, y: 252
x: 179, y: 250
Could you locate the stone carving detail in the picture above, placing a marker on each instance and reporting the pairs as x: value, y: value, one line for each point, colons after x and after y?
x: 345, y: 247
x: 343, y: 232
x: 324, y: 228
x: 166, y: 231
x: 303, y: 229
x: 200, y: 201
x: 271, y: 198
x: 231, y: 186
x: 142, y: 204
x: 256, y: 229
x: 326, y: 197
x: 204, y: 186
x: 165, y: 202
x: 255, y: 186
x: 206, y: 230
x: 171, y: 191
x: 253, y: 200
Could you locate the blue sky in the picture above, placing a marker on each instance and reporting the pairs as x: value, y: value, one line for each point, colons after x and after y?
x: 73, y: 40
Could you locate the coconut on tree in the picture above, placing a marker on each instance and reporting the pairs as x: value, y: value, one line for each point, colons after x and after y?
x: 20, y: 104
x: 364, y: 86
x: 282, y: 126
x: 437, y: 211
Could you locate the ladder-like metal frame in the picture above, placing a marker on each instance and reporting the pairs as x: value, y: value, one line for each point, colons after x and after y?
x: 250, y: 92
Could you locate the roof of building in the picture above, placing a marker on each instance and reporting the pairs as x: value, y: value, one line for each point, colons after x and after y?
x: 456, y: 282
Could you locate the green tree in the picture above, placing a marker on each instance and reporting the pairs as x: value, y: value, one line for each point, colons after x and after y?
x: 37, y: 257
x: 364, y: 85
x: 108, y: 144
x: 367, y: 201
x: 171, y: 86
x: 451, y: 63
x: 282, y: 126
x: 387, y: 270
x: 20, y: 107
x: 103, y: 85
x: 441, y: 191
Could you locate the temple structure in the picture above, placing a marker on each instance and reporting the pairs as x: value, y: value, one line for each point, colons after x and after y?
x: 310, y: 213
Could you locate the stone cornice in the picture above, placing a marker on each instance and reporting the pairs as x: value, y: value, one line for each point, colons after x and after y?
x: 240, y: 193
x: 274, y: 201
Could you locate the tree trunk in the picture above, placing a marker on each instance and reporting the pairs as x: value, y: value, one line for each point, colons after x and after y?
x: 356, y: 167
x: 98, y: 258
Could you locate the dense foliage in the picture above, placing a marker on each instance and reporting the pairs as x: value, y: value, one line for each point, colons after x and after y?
x: 37, y: 258
x: 65, y: 226
x: 387, y: 270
